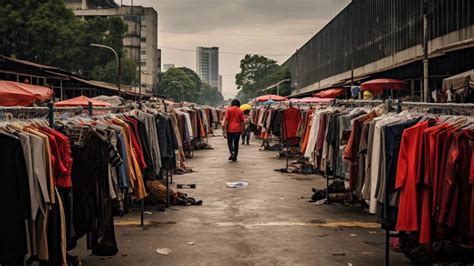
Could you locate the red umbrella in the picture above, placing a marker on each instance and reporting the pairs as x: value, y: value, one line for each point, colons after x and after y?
x: 379, y: 85
x: 272, y: 97
x: 82, y: 101
x: 331, y: 93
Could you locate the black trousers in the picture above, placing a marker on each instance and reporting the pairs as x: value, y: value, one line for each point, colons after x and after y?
x: 233, y: 142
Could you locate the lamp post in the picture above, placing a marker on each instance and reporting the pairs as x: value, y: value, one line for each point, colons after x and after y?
x: 119, y: 75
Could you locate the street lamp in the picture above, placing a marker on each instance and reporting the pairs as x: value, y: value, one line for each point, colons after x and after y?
x: 119, y: 77
x: 182, y: 89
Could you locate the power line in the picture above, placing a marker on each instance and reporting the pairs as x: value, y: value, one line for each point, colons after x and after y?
x: 237, y: 34
x: 233, y: 53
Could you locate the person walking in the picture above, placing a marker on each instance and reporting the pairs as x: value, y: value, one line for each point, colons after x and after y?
x: 233, y: 128
x: 246, y: 133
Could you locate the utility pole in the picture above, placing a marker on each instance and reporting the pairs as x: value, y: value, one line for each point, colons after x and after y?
x: 140, y: 56
x: 425, y: 51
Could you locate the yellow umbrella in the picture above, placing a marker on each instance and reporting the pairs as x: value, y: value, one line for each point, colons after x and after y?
x: 245, y: 107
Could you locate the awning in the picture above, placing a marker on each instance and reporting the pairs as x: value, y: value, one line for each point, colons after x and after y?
x: 272, y: 97
x: 312, y: 100
x: 82, y: 101
x: 460, y: 81
x: 331, y: 93
x: 21, y: 94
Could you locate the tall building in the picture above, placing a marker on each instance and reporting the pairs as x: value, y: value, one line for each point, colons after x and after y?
x: 140, y: 42
x: 220, y: 85
x: 168, y: 66
x: 207, y: 65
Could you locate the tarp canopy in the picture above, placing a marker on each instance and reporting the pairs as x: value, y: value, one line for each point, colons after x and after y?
x: 21, y: 94
x: 312, y: 100
x: 460, y: 82
x: 82, y: 101
x: 272, y: 97
x: 331, y: 93
x: 114, y: 100
x: 379, y: 85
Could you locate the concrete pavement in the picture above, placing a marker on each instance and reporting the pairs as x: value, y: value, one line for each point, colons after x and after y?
x: 266, y: 223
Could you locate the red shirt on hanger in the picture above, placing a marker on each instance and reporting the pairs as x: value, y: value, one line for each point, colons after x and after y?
x: 292, y: 117
x: 408, y: 175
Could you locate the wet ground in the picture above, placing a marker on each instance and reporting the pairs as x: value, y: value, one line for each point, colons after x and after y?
x: 269, y: 222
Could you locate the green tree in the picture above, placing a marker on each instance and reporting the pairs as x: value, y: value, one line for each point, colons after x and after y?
x: 108, y: 72
x: 178, y: 84
x: 45, y: 31
x: 257, y: 73
x: 210, y: 96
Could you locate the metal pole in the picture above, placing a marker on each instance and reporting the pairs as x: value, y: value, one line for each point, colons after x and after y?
x: 119, y: 75
x: 51, y: 114
x: 140, y: 63
x: 142, y: 210
x: 90, y: 109
x: 278, y: 89
x: 425, y: 52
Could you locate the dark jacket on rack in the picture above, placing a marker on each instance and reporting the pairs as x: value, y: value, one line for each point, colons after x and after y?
x: 168, y: 141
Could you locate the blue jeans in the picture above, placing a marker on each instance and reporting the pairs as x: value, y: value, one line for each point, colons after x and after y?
x: 233, y: 143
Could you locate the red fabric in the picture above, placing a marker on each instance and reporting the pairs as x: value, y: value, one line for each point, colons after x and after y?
x: 234, y: 117
x: 291, y: 117
x: 456, y: 192
x: 427, y: 193
x: 20, y: 94
x: 64, y: 179
x: 331, y: 93
x: 82, y: 101
x: 272, y: 97
x: 56, y: 160
x: 379, y: 85
x: 408, y: 165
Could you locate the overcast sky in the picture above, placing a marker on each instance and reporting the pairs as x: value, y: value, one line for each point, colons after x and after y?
x: 229, y: 24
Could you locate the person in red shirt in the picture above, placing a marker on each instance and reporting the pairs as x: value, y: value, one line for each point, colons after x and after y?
x: 233, y: 128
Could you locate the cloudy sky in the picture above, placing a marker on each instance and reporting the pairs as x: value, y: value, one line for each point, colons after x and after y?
x: 275, y: 28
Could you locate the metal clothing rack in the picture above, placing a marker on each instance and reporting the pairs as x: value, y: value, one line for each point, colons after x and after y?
x: 50, y: 109
x: 399, y: 104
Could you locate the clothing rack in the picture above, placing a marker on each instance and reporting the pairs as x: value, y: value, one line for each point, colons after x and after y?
x: 389, y: 105
x: 445, y: 106
x: 50, y: 109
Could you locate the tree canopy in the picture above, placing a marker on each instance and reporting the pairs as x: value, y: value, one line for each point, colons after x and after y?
x: 257, y: 73
x: 46, y: 32
x: 183, y: 84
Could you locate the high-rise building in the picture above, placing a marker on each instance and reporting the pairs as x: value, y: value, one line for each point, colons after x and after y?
x: 167, y: 66
x: 207, y: 65
x: 140, y: 42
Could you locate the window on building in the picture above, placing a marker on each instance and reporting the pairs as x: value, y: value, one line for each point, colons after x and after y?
x: 143, y: 39
x: 143, y: 63
x: 143, y: 51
